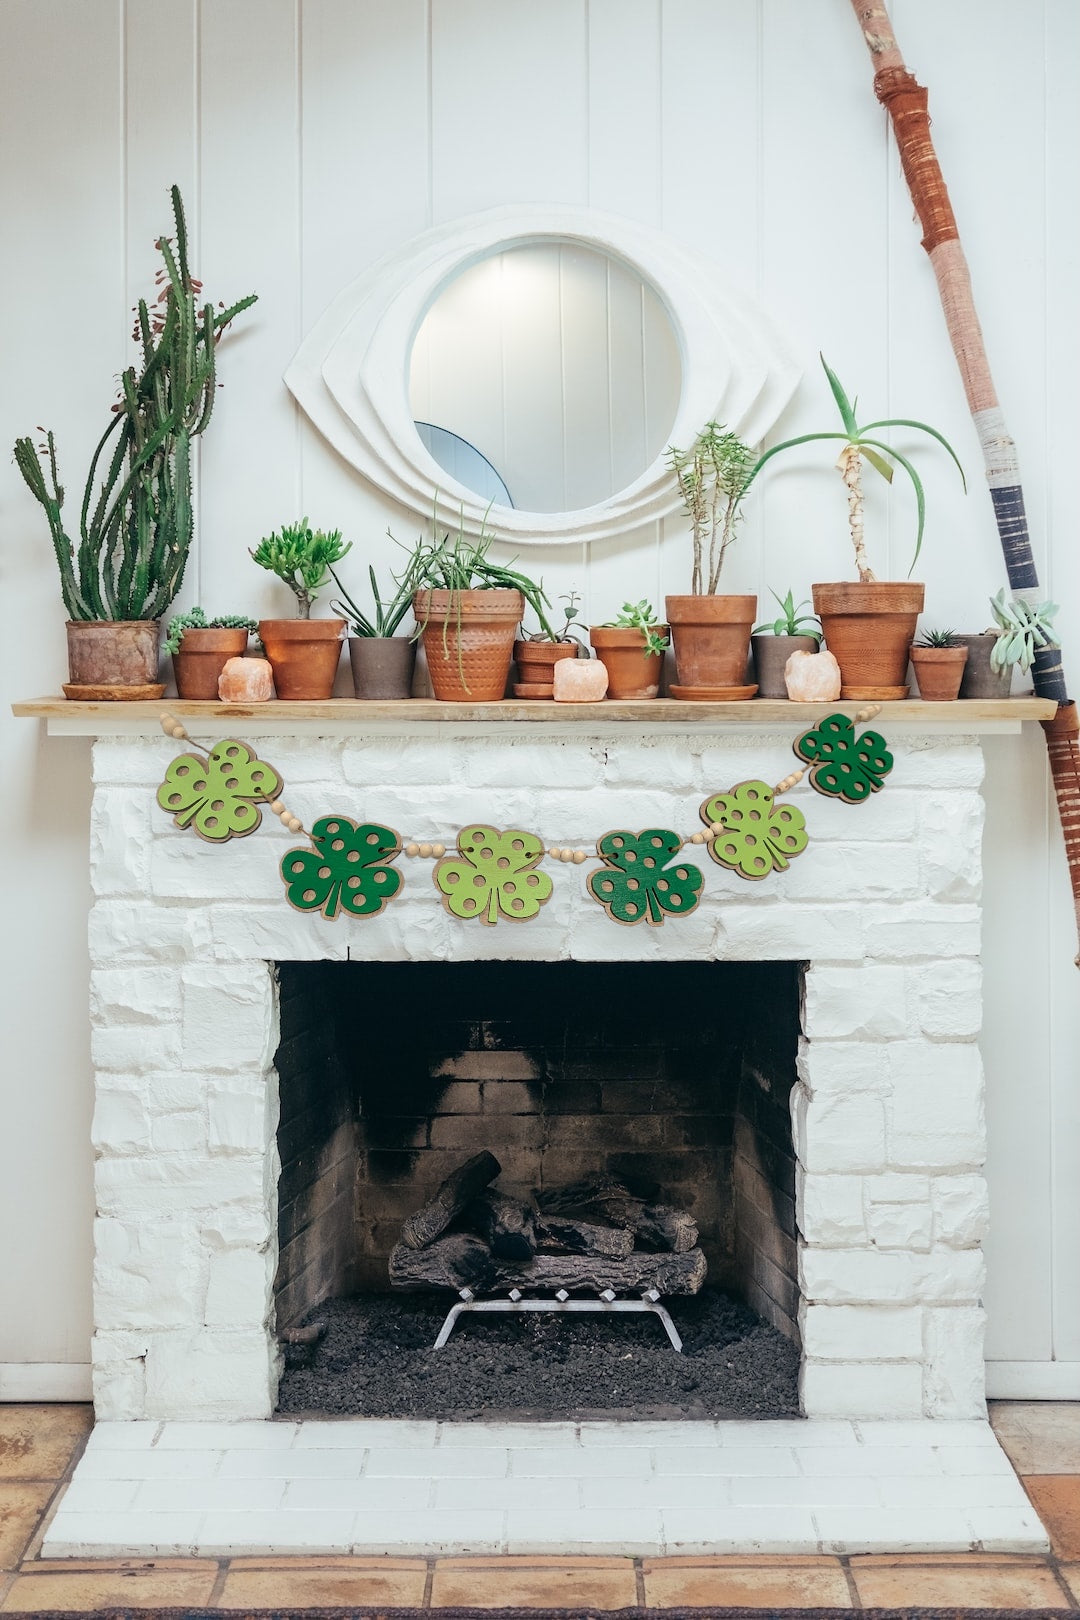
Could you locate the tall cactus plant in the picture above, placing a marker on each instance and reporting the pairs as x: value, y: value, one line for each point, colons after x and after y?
x: 135, y: 523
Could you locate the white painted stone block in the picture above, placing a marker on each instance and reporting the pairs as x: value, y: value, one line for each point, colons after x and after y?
x: 867, y: 1002
x: 120, y: 841
x: 743, y: 759
x: 134, y: 995
x: 838, y: 1132
x: 137, y: 1187
x: 650, y: 760
x: 135, y: 1048
x: 954, y: 1379
x: 896, y: 1188
x: 119, y: 1376
x: 843, y: 1068
x: 889, y: 817
x: 121, y: 1123
x: 900, y: 1226
x: 240, y: 1289
x: 935, y: 1114
x: 275, y: 932
x: 179, y: 1132
x: 240, y: 1117
x: 868, y: 871
x: 890, y: 1277
x: 136, y: 762
x: 188, y: 868
x: 227, y: 1016
x: 829, y: 1209
x: 406, y: 762
x: 128, y: 931
x: 524, y: 763
x: 948, y: 1000
x: 862, y: 1332
x: 210, y: 1374
x: 920, y: 929
x: 312, y: 761
x: 760, y: 932
x: 950, y: 843
x: 861, y: 1389
x: 961, y: 1210
x: 938, y: 762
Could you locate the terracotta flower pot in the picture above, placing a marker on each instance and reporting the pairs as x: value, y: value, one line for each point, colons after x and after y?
x: 980, y: 680
x: 113, y: 659
x: 304, y: 655
x: 633, y: 673
x: 711, y: 638
x: 535, y: 663
x: 201, y: 658
x: 771, y: 654
x: 939, y: 671
x: 382, y: 667
x: 468, y: 641
x: 869, y: 629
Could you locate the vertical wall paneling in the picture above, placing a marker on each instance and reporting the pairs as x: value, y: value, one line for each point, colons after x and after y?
x: 625, y: 132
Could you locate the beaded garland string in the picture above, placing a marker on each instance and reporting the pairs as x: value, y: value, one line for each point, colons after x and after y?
x: 493, y: 874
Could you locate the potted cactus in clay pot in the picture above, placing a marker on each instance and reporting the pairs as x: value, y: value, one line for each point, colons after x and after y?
x: 774, y: 641
x: 631, y: 648
x: 710, y: 632
x: 938, y: 657
x: 869, y: 623
x: 304, y: 652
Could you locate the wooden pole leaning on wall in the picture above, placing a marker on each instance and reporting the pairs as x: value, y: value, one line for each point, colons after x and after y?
x: 905, y: 100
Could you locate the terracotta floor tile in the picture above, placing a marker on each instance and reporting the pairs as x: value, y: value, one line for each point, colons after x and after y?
x: 512, y: 1586
x: 741, y: 1561
x: 1056, y: 1499
x: 766, y: 1585
x: 944, y: 1560
x: 21, y: 1504
x: 968, y: 1586
x: 323, y: 1588
x: 1071, y: 1573
x: 326, y: 1561
x: 36, y: 1442
x: 533, y: 1561
x: 147, y: 1588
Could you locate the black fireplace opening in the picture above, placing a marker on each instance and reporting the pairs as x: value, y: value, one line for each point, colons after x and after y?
x: 629, y: 1124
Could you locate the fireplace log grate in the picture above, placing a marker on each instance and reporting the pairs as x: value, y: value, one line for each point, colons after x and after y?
x: 606, y: 1303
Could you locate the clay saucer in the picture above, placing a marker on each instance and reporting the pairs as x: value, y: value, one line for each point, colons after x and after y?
x: 533, y: 689
x: 111, y: 694
x: 712, y: 694
x: 873, y: 694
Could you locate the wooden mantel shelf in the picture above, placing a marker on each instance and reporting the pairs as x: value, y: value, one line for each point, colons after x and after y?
x: 348, y: 716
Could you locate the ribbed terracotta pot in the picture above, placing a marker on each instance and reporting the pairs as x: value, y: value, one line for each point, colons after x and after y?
x: 633, y: 673
x: 869, y: 629
x: 771, y: 654
x: 939, y: 671
x: 535, y: 663
x: 382, y: 667
x: 304, y: 655
x: 469, y: 641
x: 113, y: 659
x: 201, y: 658
x: 711, y: 638
x: 980, y: 680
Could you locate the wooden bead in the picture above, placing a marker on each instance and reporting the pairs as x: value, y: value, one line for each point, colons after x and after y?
x: 284, y: 813
x: 717, y: 828
x: 412, y: 849
x: 555, y: 854
x: 698, y: 837
x: 276, y: 806
x: 295, y: 824
x: 438, y: 850
x: 580, y: 855
x: 425, y: 851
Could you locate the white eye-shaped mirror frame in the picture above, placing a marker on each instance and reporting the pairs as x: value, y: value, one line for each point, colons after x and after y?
x: 351, y: 373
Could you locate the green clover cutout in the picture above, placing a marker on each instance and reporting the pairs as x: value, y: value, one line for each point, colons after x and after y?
x: 637, y: 884
x: 759, y: 837
x: 348, y: 867
x: 219, y: 795
x: 494, y: 876
x: 844, y: 766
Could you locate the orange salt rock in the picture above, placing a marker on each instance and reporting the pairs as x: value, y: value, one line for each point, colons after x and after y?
x: 812, y: 677
x: 580, y: 680
x: 246, y: 680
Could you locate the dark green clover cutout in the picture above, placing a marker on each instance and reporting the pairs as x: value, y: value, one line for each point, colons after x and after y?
x: 759, y: 837
x: 493, y: 875
x: 220, y: 796
x: 845, y: 766
x: 348, y: 867
x: 637, y: 884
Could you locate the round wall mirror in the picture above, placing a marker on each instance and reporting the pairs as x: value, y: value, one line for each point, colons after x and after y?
x: 546, y: 377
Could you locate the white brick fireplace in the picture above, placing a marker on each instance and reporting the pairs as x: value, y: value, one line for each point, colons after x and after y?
x: 887, y: 1113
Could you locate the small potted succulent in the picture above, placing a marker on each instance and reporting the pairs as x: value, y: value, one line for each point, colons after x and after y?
x: 774, y: 640
x: 303, y: 652
x: 939, y: 658
x: 536, y: 655
x: 382, y: 661
x: 201, y: 647
x: 1021, y: 628
x: 869, y: 624
x: 710, y: 632
x: 631, y: 649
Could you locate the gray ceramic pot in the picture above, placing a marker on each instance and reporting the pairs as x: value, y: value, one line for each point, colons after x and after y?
x: 382, y: 666
x: 771, y: 653
x: 980, y: 681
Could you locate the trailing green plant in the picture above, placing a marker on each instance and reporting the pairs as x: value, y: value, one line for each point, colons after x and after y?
x: 136, y: 521
x: 195, y: 619
x: 857, y: 444
x: 389, y: 611
x: 1023, y: 628
x: 302, y: 557
x: 640, y: 616
x: 938, y: 638
x: 792, y: 620
x: 713, y: 476
x: 456, y: 562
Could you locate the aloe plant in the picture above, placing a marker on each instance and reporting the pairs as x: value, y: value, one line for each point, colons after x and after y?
x: 858, y: 443
x: 792, y: 621
x: 136, y: 524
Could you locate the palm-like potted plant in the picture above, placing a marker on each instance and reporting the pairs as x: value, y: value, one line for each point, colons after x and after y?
x: 711, y: 632
x: 382, y: 661
x: 774, y: 641
x: 201, y: 647
x: 869, y: 624
x: 939, y: 657
x: 303, y: 652
x: 123, y: 568
x: 631, y: 648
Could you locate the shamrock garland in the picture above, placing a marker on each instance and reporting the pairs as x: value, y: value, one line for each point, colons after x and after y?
x: 493, y: 874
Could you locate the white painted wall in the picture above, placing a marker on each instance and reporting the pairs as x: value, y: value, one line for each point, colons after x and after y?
x: 311, y: 136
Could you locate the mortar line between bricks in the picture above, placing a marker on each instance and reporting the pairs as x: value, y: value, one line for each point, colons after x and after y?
x: 639, y: 1582
x: 218, y: 1587
x: 849, y: 1576
x: 1053, y: 1563
x: 429, y: 1582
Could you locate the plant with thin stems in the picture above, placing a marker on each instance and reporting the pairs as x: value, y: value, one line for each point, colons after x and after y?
x: 713, y: 476
x: 389, y: 611
x: 302, y: 557
x: 792, y: 620
x: 857, y: 444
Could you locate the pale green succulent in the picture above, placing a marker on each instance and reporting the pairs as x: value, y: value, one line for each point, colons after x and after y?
x: 1025, y: 627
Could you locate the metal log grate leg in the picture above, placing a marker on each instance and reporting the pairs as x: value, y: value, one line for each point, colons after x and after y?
x: 605, y: 1304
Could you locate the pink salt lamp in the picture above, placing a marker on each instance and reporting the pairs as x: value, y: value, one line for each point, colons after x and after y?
x: 246, y: 680
x: 579, y: 680
x: 812, y: 677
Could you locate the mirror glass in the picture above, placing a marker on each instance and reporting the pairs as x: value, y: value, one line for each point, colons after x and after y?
x: 545, y: 377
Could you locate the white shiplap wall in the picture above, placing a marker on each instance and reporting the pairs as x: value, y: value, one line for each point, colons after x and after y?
x: 311, y: 136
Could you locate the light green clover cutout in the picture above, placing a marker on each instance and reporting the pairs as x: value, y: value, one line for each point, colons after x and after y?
x: 493, y: 875
x: 636, y: 883
x: 221, y: 795
x: 349, y: 867
x: 759, y: 837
